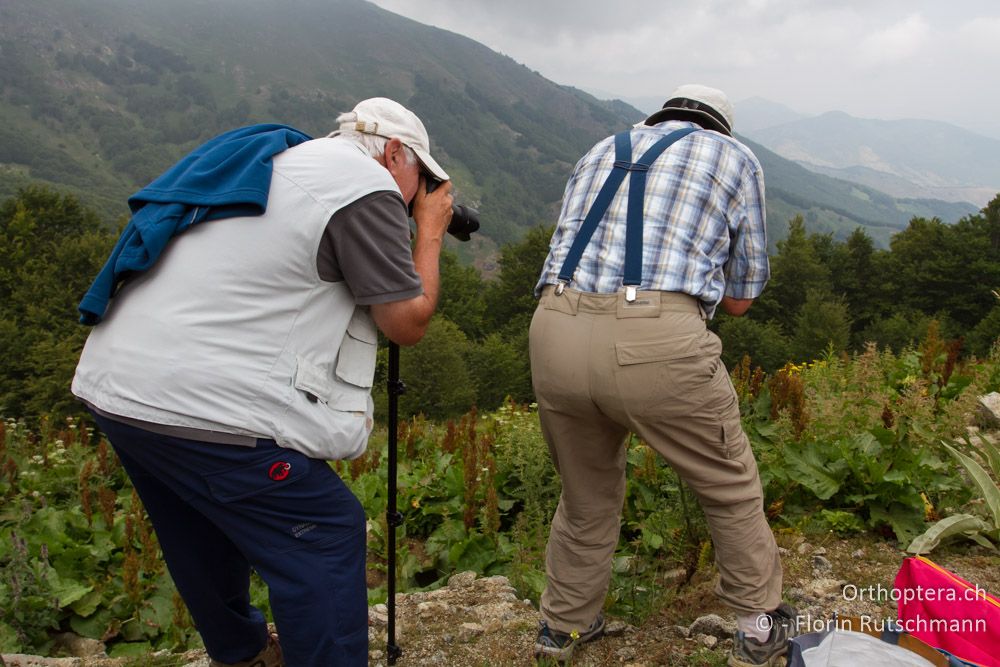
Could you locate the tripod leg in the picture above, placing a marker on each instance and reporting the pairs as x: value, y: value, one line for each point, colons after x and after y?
x: 393, y: 517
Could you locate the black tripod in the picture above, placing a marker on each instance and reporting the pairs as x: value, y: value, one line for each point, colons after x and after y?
x: 464, y: 221
x: 393, y: 518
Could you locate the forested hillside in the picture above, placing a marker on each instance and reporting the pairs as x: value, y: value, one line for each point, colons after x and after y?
x: 99, y: 96
x: 102, y: 95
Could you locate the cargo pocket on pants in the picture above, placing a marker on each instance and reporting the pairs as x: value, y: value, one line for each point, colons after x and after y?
x: 270, y: 473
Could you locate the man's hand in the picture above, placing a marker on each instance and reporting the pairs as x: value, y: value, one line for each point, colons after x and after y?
x: 405, y: 322
x: 735, y: 307
x: 432, y: 211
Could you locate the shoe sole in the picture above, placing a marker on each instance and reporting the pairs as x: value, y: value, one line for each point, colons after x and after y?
x: 774, y: 661
x: 563, y: 655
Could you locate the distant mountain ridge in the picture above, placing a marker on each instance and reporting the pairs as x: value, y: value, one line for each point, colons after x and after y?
x: 99, y: 96
x: 756, y: 113
x: 904, y: 158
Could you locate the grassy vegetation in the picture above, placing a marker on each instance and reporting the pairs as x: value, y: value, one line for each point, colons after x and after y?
x: 847, y: 445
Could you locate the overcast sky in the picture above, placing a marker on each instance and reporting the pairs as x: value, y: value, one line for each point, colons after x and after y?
x: 871, y: 58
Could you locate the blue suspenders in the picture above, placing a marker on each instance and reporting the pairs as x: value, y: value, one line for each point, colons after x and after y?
x: 636, y: 197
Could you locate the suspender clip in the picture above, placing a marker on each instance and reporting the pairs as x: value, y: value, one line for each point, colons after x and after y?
x: 630, y: 293
x: 560, y: 287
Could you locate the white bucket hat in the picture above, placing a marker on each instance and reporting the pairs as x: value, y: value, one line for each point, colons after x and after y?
x: 698, y: 103
x: 385, y: 118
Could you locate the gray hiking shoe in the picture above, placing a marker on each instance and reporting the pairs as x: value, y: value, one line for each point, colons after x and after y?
x: 748, y: 652
x: 558, y: 647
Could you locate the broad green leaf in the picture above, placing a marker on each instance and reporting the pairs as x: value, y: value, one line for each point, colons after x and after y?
x: 88, y: 604
x: 68, y: 591
x: 906, y: 520
x: 767, y: 429
x: 867, y: 443
x: 534, y: 580
x: 958, y: 524
x: 132, y: 631
x: 982, y: 540
x: 815, y: 474
x: 991, y: 453
x: 991, y: 494
x: 651, y: 540
x: 158, y: 611
x: 896, y: 475
x: 130, y: 650
x: 92, y: 627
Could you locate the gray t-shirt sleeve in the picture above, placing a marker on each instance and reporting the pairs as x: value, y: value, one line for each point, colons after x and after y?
x: 367, y: 245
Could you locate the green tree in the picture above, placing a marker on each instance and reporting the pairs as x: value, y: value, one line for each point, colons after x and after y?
x: 51, y: 248
x: 935, y: 267
x: 438, y: 382
x: 764, y: 342
x: 904, y: 328
x: 857, y: 273
x: 499, y: 369
x: 823, y: 323
x: 463, y: 295
x: 985, y: 334
x: 795, y: 270
x: 510, y: 300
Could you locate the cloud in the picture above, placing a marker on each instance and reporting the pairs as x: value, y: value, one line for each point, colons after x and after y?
x: 897, y: 42
x: 981, y: 35
x: 884, y: 59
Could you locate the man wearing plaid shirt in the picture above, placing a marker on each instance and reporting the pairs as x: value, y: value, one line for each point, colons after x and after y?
x: 659, y: 226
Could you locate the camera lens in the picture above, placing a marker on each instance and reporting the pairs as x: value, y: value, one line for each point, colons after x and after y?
x: 464, y: 221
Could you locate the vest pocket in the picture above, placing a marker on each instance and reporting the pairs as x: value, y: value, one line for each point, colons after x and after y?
x: 357, y: 357
x: 318, y: 384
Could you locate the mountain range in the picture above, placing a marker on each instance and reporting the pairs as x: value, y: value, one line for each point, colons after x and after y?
x: 99, y: 96
x: 903, y: 158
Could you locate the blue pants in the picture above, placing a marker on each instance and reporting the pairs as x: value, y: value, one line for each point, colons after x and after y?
x: 220, y: 510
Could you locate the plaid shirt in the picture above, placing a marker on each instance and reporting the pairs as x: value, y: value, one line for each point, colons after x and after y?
x: 703, y: 219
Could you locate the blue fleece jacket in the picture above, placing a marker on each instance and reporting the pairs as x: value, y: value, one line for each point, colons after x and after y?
x: 227, y: 176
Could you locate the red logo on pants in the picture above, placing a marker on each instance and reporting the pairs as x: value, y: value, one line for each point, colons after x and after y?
x: 279, y: 470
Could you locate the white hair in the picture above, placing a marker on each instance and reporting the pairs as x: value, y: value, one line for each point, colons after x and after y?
x: 374, y: 144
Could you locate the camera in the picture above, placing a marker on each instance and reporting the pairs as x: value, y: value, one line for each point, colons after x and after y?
x: 464, y: 219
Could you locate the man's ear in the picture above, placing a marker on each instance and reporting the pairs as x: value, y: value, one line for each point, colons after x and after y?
x: 393, y: 154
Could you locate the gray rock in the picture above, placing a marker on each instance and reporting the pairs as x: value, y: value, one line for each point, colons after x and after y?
x: 708, y: 641
x: 462, y: 580
x: 21, y: 660
x: 714, y: 625
x: 77, y: 646
x: 989, y: 409
x: 468, y: 631
x: 618, y: 628
x: 625, y: 653
x: 821, y: 565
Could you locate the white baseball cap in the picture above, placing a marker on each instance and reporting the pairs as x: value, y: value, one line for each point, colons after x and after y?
x: 693, y: 101
x: 386, y: 118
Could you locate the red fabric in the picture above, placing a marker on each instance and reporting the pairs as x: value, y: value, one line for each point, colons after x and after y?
x: 947, y: 612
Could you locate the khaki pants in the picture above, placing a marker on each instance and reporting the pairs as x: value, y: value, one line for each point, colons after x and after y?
x: 602, y: 367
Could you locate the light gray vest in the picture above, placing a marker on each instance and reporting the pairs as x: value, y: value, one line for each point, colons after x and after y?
x: 234, y: 331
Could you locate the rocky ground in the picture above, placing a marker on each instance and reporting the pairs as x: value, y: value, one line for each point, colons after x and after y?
x: 476, y: 622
